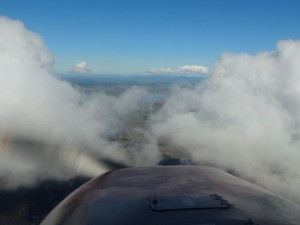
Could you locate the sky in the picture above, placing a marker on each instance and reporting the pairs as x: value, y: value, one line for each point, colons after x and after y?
x: 153, y: 36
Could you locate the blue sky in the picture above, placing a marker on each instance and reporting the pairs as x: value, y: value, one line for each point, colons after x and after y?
x: 132, y: 36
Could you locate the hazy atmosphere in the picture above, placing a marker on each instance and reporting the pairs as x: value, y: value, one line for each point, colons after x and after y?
x: 66, y: 105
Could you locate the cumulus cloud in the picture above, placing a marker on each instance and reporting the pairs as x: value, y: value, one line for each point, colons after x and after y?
x: 81, y: 67
x: 71, y: 129
x: 187, y: 69
x: 245, y: 117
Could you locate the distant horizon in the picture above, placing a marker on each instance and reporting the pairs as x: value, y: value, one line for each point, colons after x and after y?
x: 90, y: 75
x: 99, y: 80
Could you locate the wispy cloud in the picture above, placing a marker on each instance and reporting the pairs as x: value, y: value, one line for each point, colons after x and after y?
x: 81, y: 67
x: 187, y: 69
x: 39, y: 109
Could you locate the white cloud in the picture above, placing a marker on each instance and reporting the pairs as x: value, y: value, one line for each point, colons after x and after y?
x: 36, y: 106
x: 193, y: 69
x: 81, y: 67
x: 245, y: 117
x: 187, y: 69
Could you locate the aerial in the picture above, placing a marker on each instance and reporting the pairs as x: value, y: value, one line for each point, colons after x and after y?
x: 87, y: 86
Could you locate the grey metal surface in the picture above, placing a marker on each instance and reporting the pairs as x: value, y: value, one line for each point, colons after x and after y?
x: 122, y: 197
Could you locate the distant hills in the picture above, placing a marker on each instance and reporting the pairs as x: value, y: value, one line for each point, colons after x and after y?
x: 128, y: 80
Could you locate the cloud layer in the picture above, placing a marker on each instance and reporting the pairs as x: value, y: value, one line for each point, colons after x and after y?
x: 187, y: 69
x: 245, y: 118
x: 39, y: 108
